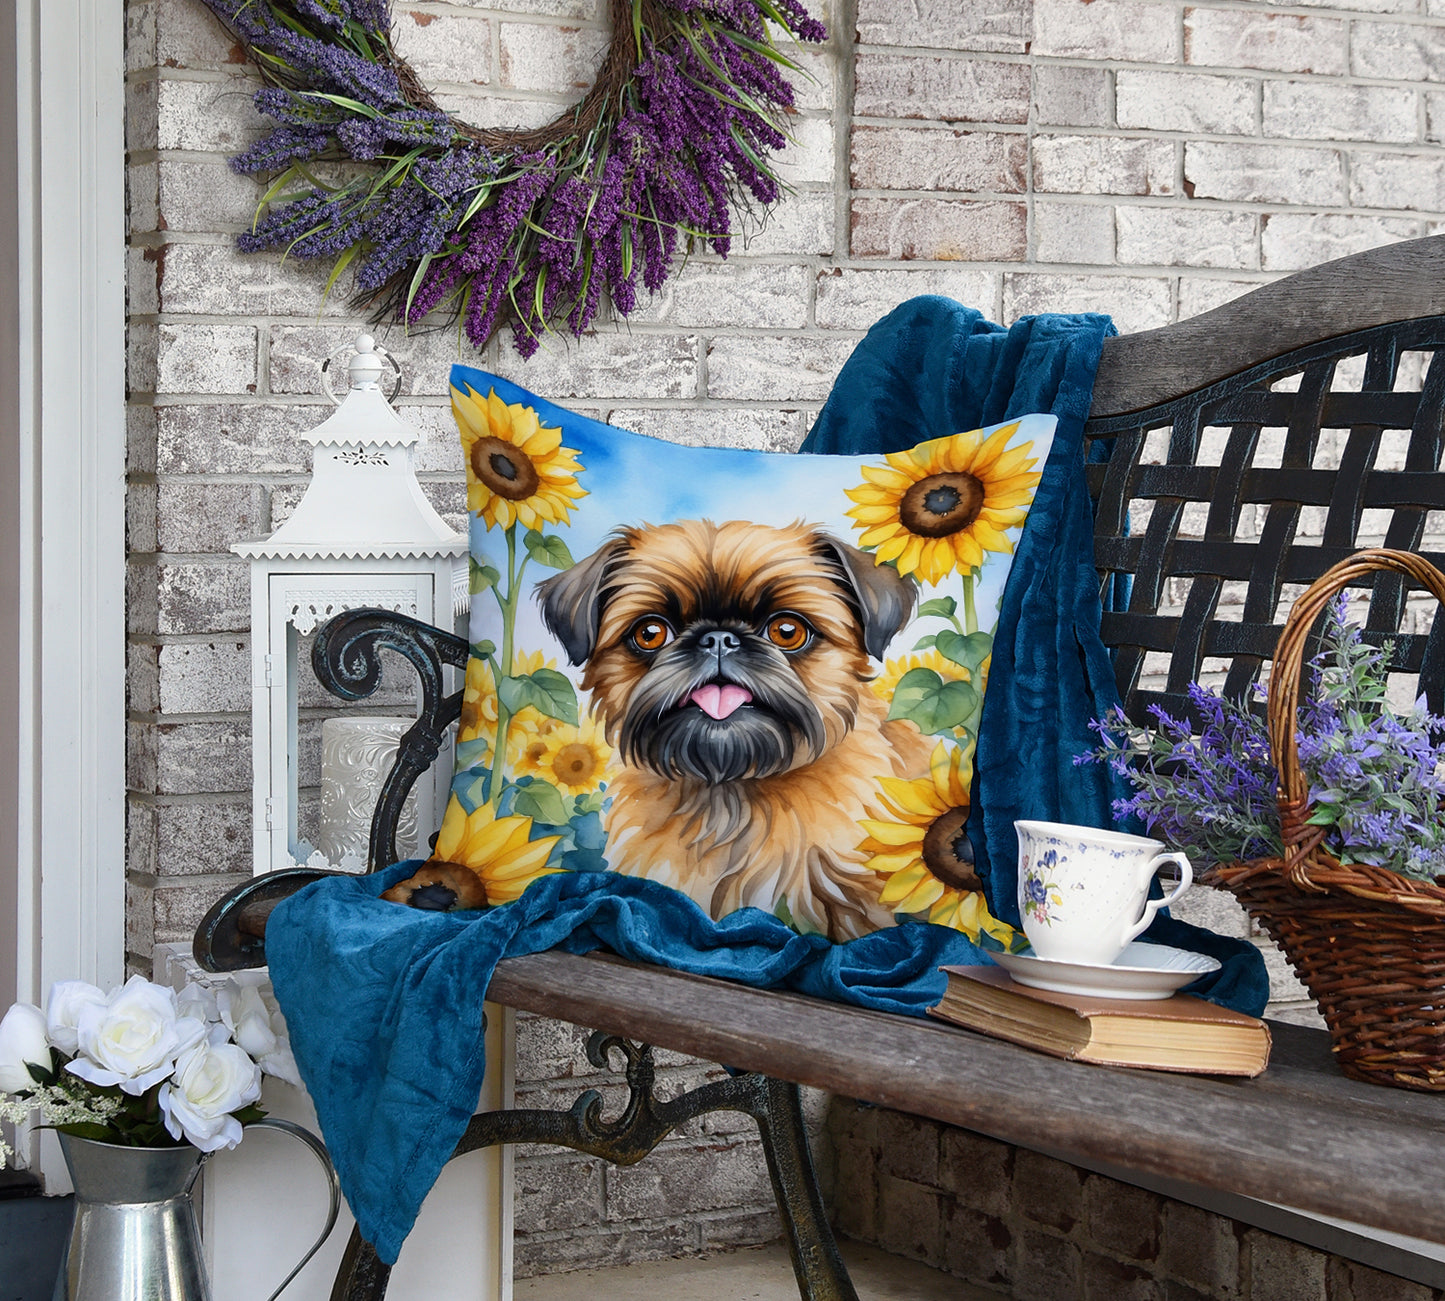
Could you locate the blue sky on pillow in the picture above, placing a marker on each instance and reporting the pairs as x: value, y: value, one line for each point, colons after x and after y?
x: 755, y: 677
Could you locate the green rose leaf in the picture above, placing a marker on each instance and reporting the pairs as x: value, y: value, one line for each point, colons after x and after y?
x: 542, y: 802
x: 936, y: 706
x: 482, y: 577
x: 549, y: 551
x: 970, y: 650
x: 943, y: 606
x: 547, y: 691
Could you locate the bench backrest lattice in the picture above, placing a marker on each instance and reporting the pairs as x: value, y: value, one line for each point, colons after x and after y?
x: 1215, y: 509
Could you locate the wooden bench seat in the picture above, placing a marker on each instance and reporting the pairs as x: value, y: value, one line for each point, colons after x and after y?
x: 1301, y: 1134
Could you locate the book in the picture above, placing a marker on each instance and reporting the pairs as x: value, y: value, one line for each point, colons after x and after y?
x: 1180, y: 1033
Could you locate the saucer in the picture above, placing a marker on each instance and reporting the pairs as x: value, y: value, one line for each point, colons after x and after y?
x: 1141, y: 971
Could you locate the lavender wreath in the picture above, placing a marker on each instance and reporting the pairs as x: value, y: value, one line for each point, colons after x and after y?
x: 526, y: 227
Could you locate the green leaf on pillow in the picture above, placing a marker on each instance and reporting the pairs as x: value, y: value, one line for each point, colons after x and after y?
x: 546, y: 690
x: 542, y: 802
x: 483, y: 577
x: 943, y: 606
x: 482, y: 649
x: 926, y: 643
x: 970, y: 650
x: 473, y: 753
x: 936, y: 706
x: 549, y: 551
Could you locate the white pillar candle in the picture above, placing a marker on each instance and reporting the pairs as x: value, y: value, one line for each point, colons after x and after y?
x: 356, y: 755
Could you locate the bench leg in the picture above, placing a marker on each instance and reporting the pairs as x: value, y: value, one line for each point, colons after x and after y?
x: 822, y: 1276
x: 644, y: 1123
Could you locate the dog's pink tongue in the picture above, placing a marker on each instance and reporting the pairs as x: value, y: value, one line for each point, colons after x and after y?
x: 720, y: 701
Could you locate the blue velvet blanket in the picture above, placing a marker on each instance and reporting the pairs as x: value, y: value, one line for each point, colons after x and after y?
x: 384, y: 1003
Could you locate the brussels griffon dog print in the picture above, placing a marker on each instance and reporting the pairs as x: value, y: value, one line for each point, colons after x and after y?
x: 729, y: 664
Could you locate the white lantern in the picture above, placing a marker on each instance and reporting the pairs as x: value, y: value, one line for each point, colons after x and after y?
x: 364, y: 534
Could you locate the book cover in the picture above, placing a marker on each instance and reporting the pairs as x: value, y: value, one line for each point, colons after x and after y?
x: 1180, y: 1033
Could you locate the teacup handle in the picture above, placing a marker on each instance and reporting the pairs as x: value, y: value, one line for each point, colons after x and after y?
x: 1186, y: 879
x: 333, y: 1189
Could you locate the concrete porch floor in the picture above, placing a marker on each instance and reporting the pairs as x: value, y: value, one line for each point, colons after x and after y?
x: 750, y: 1274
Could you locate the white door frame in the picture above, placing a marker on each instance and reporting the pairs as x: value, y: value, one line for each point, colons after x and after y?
x: 62, y: 495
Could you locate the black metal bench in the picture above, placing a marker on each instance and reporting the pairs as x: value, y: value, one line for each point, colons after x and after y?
x: 1301, y: 1134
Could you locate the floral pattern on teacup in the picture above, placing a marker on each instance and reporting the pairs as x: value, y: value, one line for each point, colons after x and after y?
x: 1040, y: 894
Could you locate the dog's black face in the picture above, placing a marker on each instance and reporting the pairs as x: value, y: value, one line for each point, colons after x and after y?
x: 720, y: 653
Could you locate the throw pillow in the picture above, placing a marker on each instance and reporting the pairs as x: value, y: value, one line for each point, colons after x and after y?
x: 755, y: 677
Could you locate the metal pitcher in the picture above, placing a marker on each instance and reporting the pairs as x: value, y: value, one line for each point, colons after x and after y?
x: 135, y: 1236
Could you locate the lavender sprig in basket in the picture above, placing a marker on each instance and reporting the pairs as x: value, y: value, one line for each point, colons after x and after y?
x: 1330, y: 834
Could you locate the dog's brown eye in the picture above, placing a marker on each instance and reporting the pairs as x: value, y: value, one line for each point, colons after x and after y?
x: 650, y: 634
x: 788, y: 632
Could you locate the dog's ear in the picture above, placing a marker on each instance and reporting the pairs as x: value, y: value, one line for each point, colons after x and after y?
x: 884, y: 597
x: 572, y: 601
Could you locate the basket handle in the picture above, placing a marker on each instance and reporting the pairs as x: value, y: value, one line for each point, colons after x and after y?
x: 1301, y: 839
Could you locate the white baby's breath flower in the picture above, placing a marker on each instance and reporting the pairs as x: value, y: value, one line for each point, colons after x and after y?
x: 22, y: 1040
x: 68, y: 998
x: 134, y: 1039
x: 211, y: 1081
x: 250, y: 1011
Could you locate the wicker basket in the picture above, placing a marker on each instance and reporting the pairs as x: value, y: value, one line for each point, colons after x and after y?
x: 1368, y: 943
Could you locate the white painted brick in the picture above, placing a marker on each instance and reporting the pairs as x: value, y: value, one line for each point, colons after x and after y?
x: 202, y: 598
x: 794, y: 368
x: 919, y: 158
x: 1398, y: 51
x: 1360, y: 6
x: 254, y: 438
x: 808, y: 156
x: 206, y: 197
x: 1255, y: 38
x: 1185, y: 101
x: 855, y: 299
x: 1198, y: 294
x: 985, y: 25
x: 198, y: 517
x: 510, y: 111
x: 732, y: 294
x: 205, y: 677
x: 213, y: 116
x: 1195, y: 237
x: 142, y: 188
x: 140, y: 357
x: 1069, y: 96
x: 1293, y: 241
x: 218, y: 279
x: 558, y: 60
x: 444, y: 47
x: 1103, y: 165
x: 1264, y: 173
x: 140, y: 438
x: 1073, y: 232
x: 203, y: 758
x: 140, y: 517
x: 1435, y: 116
x: 190, y: 36
x: 140, y: 115
x: 605, y: 365
x: 1312, y: 110
x: 140, y: 35
x: 1135, y: 302
x: 1134, y: 30
x: 758, y: 428
x: 944, y: 88
x: 587, y: 10
x: 206, y: 359
x: 813, y: 86
x: 939, y: 230
x: 801, y: 224
x: 1414, y: 181
x: 141, y: 294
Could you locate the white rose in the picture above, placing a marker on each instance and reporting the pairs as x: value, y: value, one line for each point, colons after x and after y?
x: 134, y: 1039
x: 211, y: 1081
x: 250, y: 1011
x: 22, y: 1039
x: 199, y: 1002
x: 68, y: 998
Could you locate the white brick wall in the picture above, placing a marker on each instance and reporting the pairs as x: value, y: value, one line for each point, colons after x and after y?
x: 1149, y: 158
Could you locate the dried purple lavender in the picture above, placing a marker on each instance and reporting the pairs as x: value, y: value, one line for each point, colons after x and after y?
x: 1374, y: 777
x: 528, y: 235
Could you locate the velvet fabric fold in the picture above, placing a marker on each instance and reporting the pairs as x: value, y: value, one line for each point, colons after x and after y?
x: 384, y: 1003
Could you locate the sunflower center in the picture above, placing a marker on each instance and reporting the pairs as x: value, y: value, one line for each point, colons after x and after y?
x: 941, y: 504
x: 504, y: 467
x: 575, y: 764
x: 947, y: 852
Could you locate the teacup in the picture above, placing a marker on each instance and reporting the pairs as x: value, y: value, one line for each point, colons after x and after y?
x: 1084, y: 893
